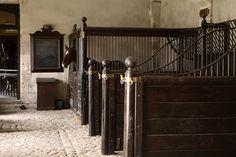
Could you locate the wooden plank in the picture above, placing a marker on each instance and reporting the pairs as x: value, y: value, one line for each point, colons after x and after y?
x: 84, y: 100
x: 111, y: 117
x: 108, y: 116
x: 189, y: 125
x: 138, y: 122
x: 192, y: 153
x: 119, y: 112
x: 189, y: 93
x: 150, y: 80
x: 140, y: 32
x: 97, y: 104
x: 119, y: 132
x: 120, y: 108
x: 104, y: 129
x: 94, y: 102
x: 189, y: 109
x: 120, y: 121
x: 91, y: 99
x: 189, y: 141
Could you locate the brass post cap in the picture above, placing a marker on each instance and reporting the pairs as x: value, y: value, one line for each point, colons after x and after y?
x: 130, y: 62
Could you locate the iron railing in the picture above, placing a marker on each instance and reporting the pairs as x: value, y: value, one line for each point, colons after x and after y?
x: 8, y: 82
x: 203, y: 51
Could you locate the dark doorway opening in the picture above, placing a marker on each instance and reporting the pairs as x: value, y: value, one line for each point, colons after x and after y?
x: 9, y: 51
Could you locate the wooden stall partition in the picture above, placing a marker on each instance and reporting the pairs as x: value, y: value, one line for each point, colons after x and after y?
x: 173, y: 116
x: 112, y: 110
x: 183, y: 116
x: 95, y: 95
x: 160, y: 45
x: 188, y: 117
x: 80, y: 96
x: 94, y: 100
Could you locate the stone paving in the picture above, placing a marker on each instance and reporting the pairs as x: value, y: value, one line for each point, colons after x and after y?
x: 31, y: 133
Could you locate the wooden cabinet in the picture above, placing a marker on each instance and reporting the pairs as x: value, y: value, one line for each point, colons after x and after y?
x: 46, y: 93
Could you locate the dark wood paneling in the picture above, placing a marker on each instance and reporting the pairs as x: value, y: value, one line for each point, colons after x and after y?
x: 120, y: 106
x: 150, y: 80
x: 188, y: 93
x: 97, y: 104
x: 94, y: 102
x: 189, y: 125
x: 111, y: 114
x: 84, y: 99
x: 119, y: 112
x: 125, y: 31
x: 138, y: 127
x: 192, y: 153
x: 189, y: 109
x: 189, y: 142
x: 108, y: 116
x: 189, y: 117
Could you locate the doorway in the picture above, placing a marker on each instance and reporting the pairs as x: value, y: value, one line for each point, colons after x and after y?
x: 9, y: 51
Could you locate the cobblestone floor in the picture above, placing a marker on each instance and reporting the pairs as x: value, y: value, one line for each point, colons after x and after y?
x: 31, y: 133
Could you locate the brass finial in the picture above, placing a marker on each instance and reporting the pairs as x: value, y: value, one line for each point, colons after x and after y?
x: 130, y: 62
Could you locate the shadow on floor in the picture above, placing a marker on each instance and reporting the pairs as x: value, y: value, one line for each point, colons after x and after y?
x: 9, y: 105
x: 8, y: 100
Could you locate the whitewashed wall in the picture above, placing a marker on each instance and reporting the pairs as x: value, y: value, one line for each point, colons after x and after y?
x: 185, y: 13
x: 62, y: 15
x: 224, y: 10
x: 182, y: 13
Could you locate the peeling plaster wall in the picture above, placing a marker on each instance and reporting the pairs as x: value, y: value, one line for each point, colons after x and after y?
x: 62, y: 15
x: 182, y: 13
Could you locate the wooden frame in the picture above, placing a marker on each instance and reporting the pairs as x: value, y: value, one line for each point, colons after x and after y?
x: 46, y: 50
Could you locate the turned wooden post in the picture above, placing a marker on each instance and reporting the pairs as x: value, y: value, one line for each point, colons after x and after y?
x: 82, y: 66
x: 129, y: 106
x: 91, y: 98
x: 108, y: 143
